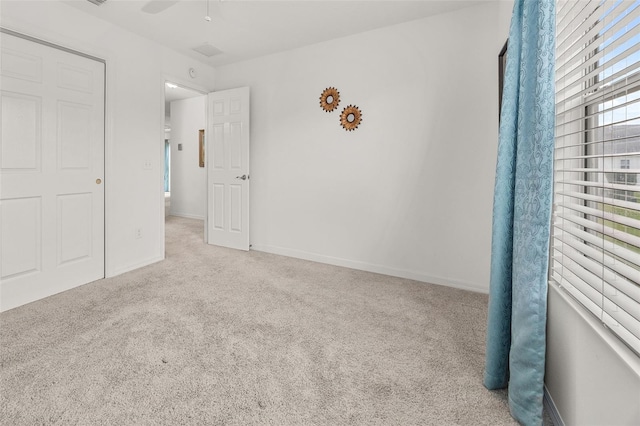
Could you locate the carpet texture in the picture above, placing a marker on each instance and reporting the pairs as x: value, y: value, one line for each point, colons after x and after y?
x: 214, y: 336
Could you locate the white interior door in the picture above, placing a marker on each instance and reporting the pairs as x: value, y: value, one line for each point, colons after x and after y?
x: 228, y: 168
x: 51, y: 171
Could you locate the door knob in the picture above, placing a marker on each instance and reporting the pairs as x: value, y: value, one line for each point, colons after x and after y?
x: 98, y: 181
x: 243, y: 177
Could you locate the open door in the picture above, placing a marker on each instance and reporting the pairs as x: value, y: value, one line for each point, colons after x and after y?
x: 228, y: 168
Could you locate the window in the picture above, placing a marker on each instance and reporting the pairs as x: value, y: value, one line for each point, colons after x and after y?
x: 595, y: 253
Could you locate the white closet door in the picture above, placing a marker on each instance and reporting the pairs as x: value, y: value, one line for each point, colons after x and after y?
x: 51, y: 171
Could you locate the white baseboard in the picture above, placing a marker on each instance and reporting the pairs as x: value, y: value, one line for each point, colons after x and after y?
x: 133, y: 266
x: 186, y: 215
x: 551, y: 408
x: 369, y: 267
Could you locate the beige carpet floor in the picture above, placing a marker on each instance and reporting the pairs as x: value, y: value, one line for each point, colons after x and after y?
x: 212, y: 336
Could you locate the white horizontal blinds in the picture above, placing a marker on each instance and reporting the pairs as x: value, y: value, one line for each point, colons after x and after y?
x: 595, y: 253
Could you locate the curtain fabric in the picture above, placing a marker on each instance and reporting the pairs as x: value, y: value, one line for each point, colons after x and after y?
x: 516, y: 332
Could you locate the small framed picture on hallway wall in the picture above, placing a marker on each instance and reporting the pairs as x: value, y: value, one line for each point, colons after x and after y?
x: 201, y: 147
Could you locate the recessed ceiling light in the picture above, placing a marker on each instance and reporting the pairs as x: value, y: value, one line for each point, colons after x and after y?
x: 171, y: 85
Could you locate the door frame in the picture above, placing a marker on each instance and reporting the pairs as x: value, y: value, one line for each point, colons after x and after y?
x: 107, y: 130
x: 203, y: 91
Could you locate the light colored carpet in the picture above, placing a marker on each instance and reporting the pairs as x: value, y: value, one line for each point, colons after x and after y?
x: 214, y: 336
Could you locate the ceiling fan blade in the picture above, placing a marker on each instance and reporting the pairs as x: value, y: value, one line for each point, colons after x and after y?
x: 157, y: 6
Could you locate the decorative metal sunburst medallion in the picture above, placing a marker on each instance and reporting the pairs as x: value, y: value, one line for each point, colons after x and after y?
x: 351, y: 117
x: 329, y: 99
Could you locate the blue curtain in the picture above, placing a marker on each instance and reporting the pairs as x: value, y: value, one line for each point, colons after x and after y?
x: 167, y: 151
x: 516, y: 337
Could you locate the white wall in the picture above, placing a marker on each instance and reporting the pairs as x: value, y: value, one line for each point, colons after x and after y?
x: 592, y: 378
x: 409, y: 193
x: 188, y: 179
x: 136, y: 69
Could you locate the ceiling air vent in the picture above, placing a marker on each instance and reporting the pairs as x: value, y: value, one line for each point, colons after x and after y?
x: 207, y: 50
x: 97, y: 2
